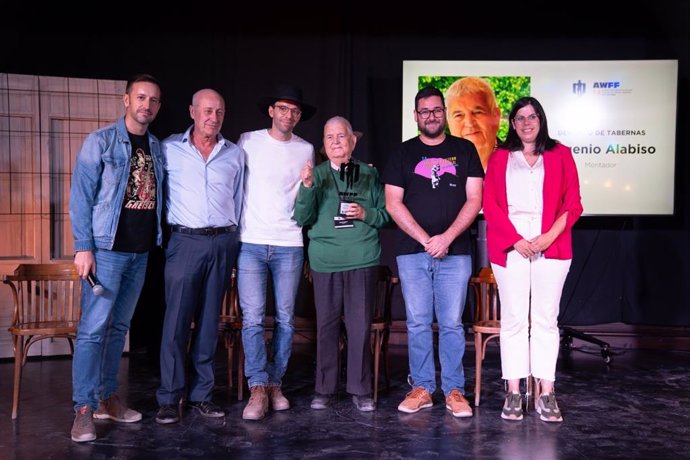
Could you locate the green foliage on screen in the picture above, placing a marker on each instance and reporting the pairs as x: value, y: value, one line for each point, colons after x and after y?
x: 507, y: 91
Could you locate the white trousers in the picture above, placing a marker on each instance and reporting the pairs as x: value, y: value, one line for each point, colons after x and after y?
x: 530, y: 294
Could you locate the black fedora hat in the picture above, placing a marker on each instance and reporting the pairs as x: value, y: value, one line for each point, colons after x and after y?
x: 285, y: 92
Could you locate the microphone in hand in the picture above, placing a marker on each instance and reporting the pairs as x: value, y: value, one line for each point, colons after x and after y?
x: 96, y: 286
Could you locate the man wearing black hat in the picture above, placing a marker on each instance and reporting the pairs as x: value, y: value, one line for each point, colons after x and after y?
x: 271, y: 242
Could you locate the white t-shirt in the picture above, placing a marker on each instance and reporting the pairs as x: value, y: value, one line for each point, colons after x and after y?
x: 271, y: 183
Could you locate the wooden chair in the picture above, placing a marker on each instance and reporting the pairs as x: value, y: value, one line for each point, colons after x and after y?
x: 381, y: 324
x: 47, y: 304
x: 231, y: 328
x: 487, y: 323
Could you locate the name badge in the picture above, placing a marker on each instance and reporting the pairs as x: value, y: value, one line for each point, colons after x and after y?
x: 343, y: 208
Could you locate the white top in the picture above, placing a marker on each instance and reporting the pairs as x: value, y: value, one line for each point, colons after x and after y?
x: 272, y: 180
x: 524, y: 187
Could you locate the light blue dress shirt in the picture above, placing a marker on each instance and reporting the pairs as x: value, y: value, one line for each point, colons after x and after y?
x: 203, y: 193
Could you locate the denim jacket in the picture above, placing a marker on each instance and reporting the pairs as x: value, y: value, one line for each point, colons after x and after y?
x: 98, y: 186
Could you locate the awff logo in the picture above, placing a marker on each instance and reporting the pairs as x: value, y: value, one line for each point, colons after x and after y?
x: 579, y: 88
x: 606, y: 84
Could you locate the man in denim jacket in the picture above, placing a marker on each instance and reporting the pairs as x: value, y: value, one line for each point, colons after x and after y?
x: 115, y: 211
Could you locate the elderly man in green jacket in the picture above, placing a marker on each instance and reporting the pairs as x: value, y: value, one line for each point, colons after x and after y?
x: 342, y: 200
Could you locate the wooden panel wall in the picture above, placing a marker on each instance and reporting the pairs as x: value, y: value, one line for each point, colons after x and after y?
x: 43, y: 121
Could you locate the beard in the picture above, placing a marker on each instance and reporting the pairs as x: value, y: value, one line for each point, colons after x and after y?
x: 432, y: 129
x: 144, y: 117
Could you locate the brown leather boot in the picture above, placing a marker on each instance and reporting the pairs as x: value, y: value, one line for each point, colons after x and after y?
x: 258, y: 403
x: 278, y: 400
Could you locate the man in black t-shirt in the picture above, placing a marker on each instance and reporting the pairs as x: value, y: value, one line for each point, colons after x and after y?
x: 434, y: 193
x: 115, y: 211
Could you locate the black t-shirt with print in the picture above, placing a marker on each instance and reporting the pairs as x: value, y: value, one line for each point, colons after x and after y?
x: 136, y: 230
x: 434, y: 178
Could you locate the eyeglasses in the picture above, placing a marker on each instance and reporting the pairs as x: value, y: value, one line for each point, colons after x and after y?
x: 424, y: 113
x: 284, y: 109
x: 522, y: 120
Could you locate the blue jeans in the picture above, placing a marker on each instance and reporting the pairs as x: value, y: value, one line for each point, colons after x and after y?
x: 104, y: 324
x: 253, y: 265
x: 435, y: 286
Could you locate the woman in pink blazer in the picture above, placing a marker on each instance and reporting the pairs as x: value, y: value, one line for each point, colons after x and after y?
x: 531, y: 201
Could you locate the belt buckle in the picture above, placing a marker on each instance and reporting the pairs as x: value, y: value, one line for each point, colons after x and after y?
x: 209, y: 231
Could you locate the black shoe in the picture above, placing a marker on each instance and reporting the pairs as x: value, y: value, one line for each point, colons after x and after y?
x: 364, y: 403
x: 320, y: 401
x: 167, y: 414
x: 207, y: 408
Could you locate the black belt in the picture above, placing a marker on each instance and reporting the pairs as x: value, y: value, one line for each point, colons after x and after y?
x: 207, y: 231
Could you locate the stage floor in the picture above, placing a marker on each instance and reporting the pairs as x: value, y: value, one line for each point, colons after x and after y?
x: 638, y: 407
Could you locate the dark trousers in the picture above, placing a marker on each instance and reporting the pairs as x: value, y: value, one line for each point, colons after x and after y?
x: 197, y: 274
x: 344, y: 296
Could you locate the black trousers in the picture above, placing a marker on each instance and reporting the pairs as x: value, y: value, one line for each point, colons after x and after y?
x: 344, y: 296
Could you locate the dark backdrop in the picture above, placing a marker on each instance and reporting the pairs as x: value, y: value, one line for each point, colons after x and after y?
x: 349, y: 62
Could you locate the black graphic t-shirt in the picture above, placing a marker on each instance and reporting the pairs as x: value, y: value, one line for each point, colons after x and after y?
x: 136, y: 230
x: 434, y: 178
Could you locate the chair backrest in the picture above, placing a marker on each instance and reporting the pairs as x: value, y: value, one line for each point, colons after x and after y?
x: 487, y: 305
x: 384, y: 295
x: 46, y: 294
x: 230, y: 309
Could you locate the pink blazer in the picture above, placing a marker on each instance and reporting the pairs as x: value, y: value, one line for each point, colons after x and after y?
x: 561, y: 194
